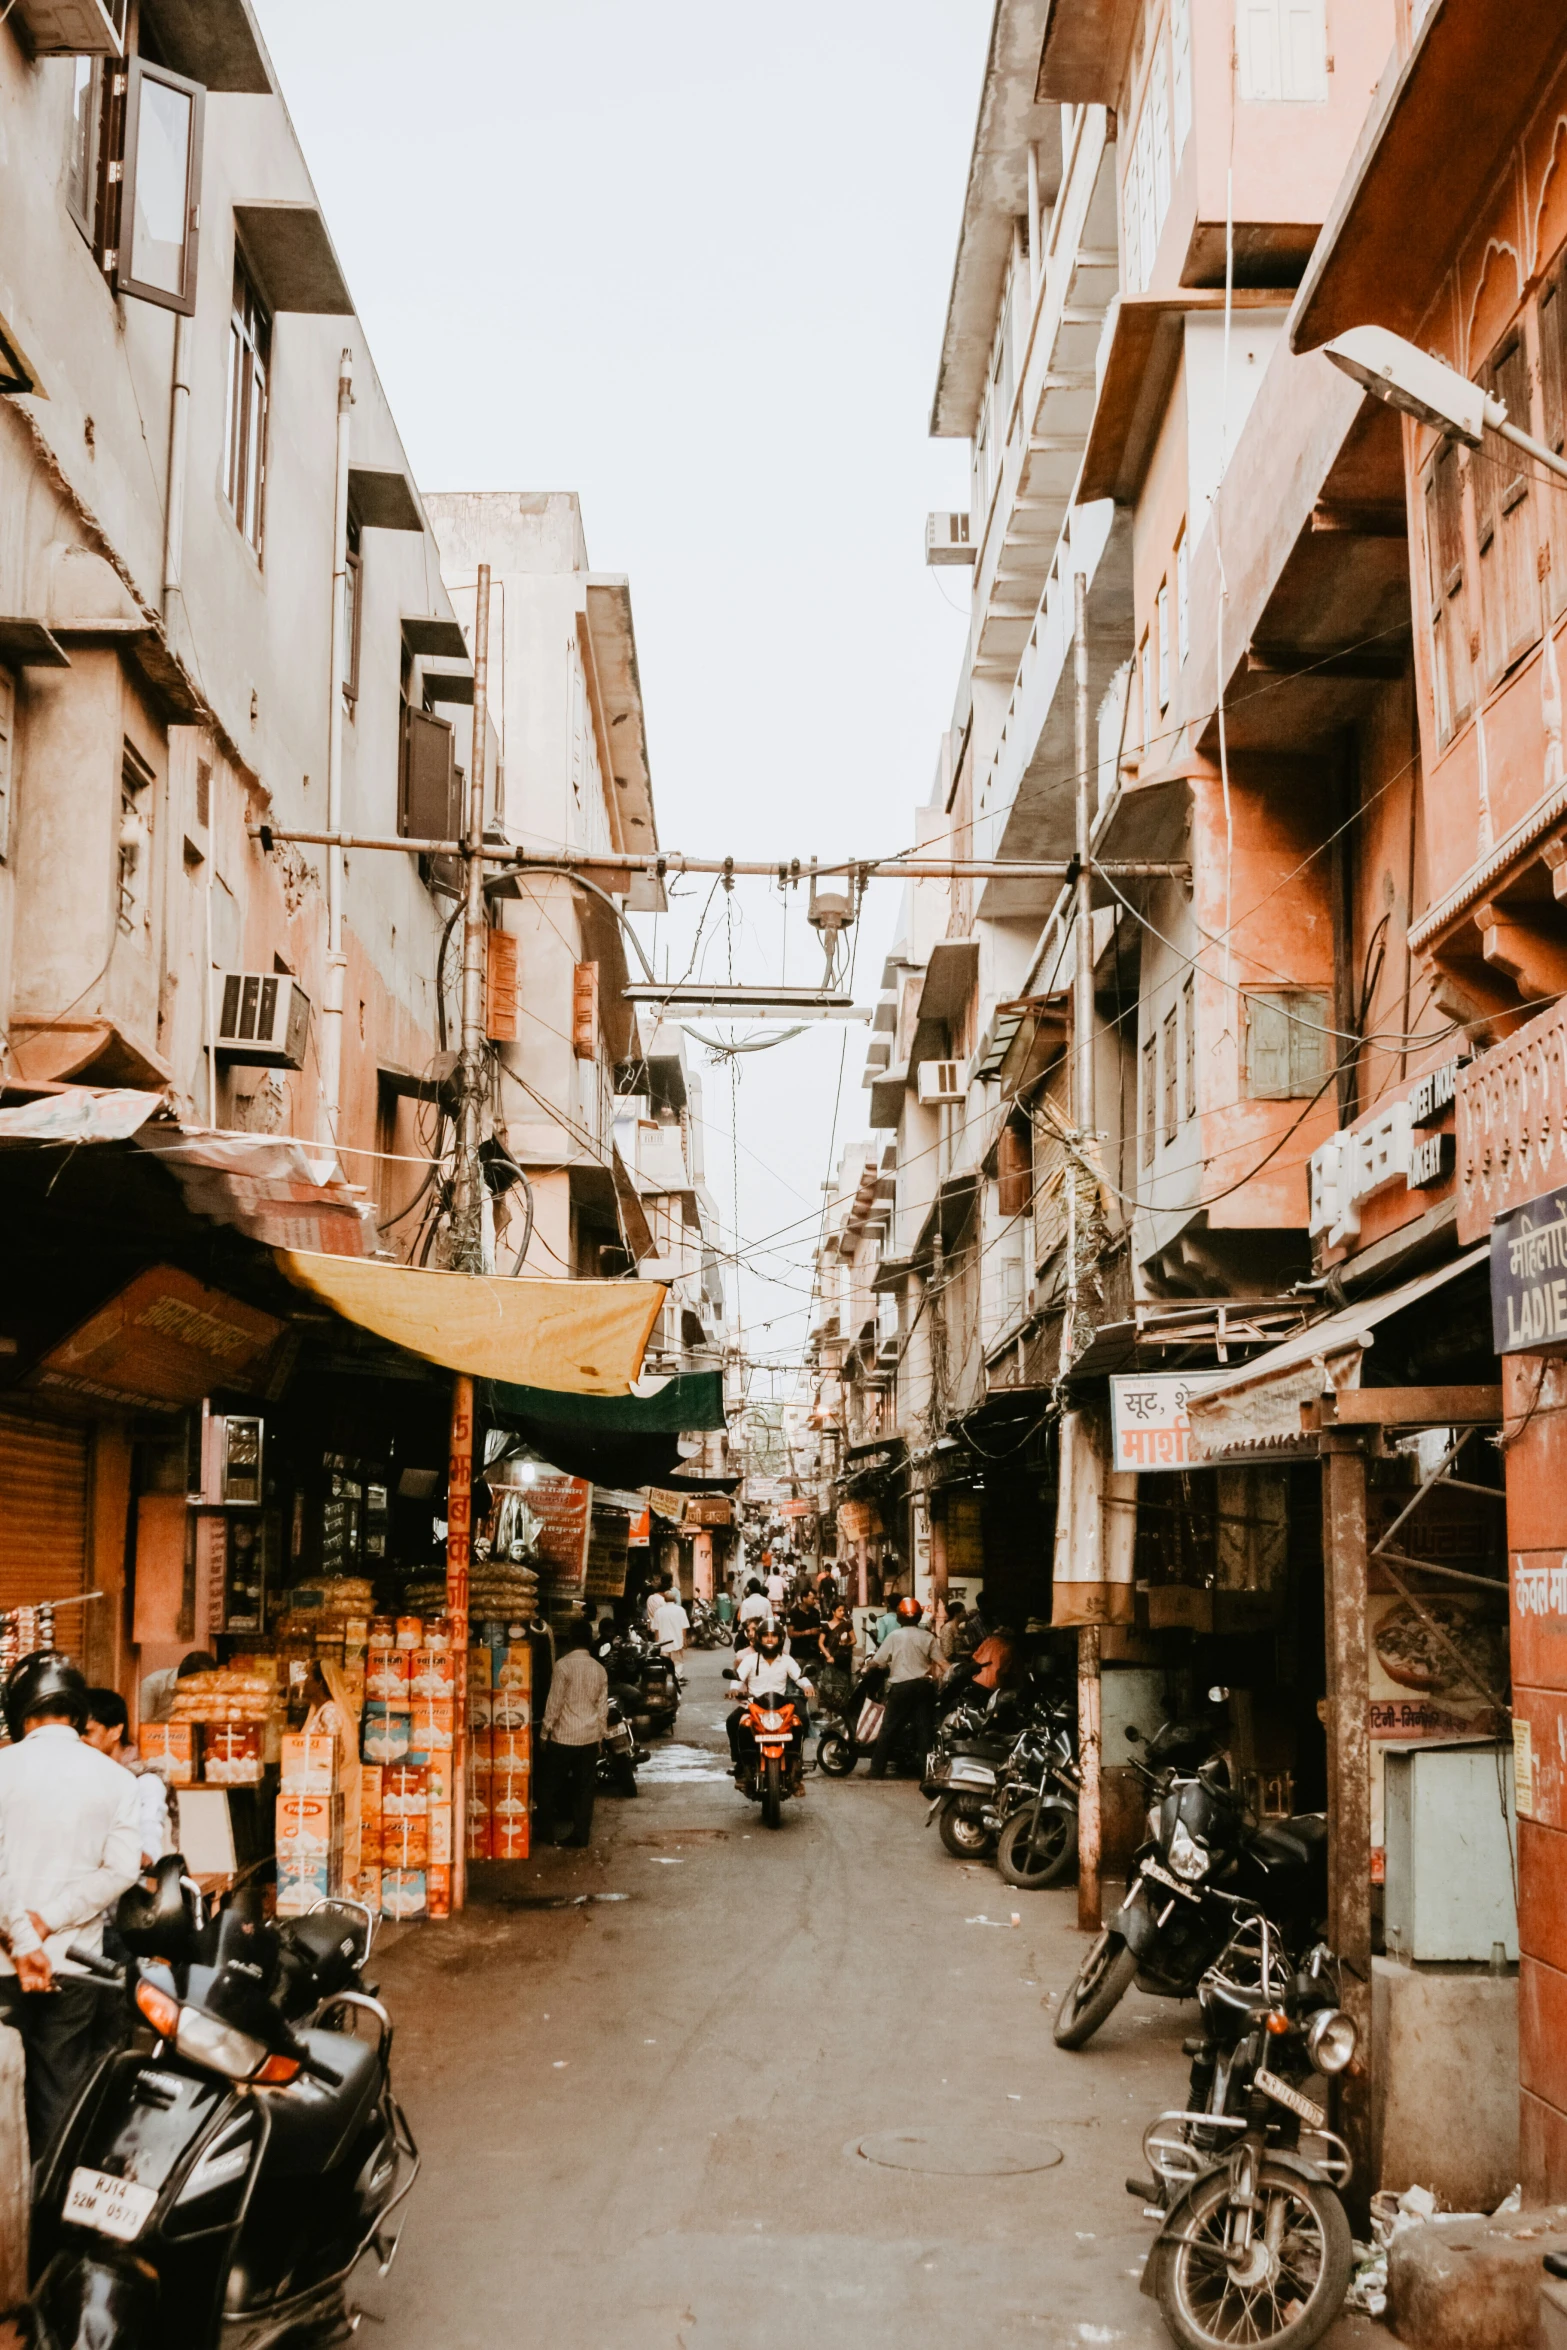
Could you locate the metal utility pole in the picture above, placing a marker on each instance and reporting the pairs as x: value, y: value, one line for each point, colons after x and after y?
x: 1089, y: 1818
x: 467, y: 1233
x: 336, y: 960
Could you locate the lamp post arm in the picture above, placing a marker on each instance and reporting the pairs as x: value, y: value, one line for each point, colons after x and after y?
x: 1496, y: 417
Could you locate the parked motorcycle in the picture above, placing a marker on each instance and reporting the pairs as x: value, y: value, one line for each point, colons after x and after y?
x: 1037, y: 1804
x: 1204, y: 1861
x: 963, y: 1775
x: 1253, y: 2243
x: 619, y: 1756
x: 708, y: 1630
x: 222, y: 2188
x: 771, y: 1765
x: 851, y: 1736
x: 641, y: 1681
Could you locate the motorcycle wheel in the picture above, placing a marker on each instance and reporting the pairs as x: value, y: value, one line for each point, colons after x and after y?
x: 626, y: 1777
x: 964, y: 1833
x: 835, y: 1754
x: 1097, y: 1988
x: 1034, y: 1857
x: 772, y: 1793
x: 1205, y: 2307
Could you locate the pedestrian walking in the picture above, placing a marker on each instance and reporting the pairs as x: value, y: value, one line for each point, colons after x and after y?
x: 670, y: 1624
x: 576, y: 1720
x: 835, y: 1680
x: 70, y: 1844
x: 913, y: 1664
x: 805, y: 1633
x: 777, y: 1585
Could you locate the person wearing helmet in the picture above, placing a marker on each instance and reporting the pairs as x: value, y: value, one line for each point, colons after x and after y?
x: 768, y: 1670
x: 913, y: 1664
x: 70, y: 1844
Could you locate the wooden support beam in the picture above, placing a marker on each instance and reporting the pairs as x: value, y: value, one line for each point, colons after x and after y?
x: 1347, y: 1719
x: 1404, y: 1407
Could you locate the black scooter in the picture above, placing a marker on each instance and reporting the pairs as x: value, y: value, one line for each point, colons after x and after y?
x: 1204, y: 1862
x: 641, y: 1681
x: 219, y: 2188
x: 619, y: 1756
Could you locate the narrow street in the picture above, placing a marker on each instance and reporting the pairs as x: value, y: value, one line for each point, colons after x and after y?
x: 641, y: 2116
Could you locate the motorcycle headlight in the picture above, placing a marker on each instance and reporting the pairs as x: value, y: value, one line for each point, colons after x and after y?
x: 1187, y: 1856
x: 1330, y: 2040
x: 202, y: 2039
x: 772, y: 1721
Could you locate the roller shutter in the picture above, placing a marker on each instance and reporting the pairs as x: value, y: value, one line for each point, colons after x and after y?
x: 43, y: 1518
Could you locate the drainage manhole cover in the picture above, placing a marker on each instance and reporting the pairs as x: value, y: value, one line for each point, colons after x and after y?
x: 555, y: 1900
x: 961, y: 2154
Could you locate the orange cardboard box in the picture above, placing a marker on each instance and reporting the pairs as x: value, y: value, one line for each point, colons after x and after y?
x: 367, y: 1885
x: 509, y: 1792
x: 176, y: 1745
x: 438, y: 1891
x: 308, y: 1821
x: 409, y: 1632
x: 511, y: 1709
x: 479, y: 1837
x: 513, y: 1748
x: 386, y: 1675
x: 310, y: 1762
x: 432, y: 1672
x: 370, y: 1775
x: 441, y: 1836
x: 514, y: 1668
x: 480, y: 1703
x: 509, y: 1839
x: 405, y: 1792
x: 405, y: 1844
x: 433, y: 1726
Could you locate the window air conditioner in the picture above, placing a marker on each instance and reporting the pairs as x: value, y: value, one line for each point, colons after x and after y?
x: 71, y: 28
x: 941, y: 1081
x: 947, y: 539
x: 264, y: 1020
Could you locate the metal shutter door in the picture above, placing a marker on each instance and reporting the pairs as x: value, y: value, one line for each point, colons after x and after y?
x: 43, y: 1518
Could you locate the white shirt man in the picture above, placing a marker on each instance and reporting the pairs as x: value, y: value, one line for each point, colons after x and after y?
x: 777, y: 1586
x: 670, y: 1624
x: 754, y: 1604
x: 70, y: 1845
x: 767, y: 1676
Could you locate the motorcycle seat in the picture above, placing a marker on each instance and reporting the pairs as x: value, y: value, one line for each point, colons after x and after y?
x: 314, y: 2122
x: 1292, y: 1842
x: 1233, y: 2004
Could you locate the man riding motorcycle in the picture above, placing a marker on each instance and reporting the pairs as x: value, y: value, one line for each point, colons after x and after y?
x: 767, y: 1670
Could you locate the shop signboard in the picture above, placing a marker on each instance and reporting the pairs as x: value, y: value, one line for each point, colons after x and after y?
x: 798, y: 1509
x: 1151, y: 1426
x: 1417, y: 1684
x: 1529, y: 1277
x: 563, y: 1507
x: 858, y: 1520
x: 709, y: 1509
x: 667, y: 1504
x: 165, y: 1340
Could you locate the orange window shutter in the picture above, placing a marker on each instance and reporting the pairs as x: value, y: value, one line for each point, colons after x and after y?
x: 585, y: 1011
x: 500, y: 986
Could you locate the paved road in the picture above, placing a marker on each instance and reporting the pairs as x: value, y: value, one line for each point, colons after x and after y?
x: 640, y: 2117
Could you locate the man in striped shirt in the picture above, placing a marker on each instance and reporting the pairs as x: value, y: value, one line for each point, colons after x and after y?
x: 576, y: 1719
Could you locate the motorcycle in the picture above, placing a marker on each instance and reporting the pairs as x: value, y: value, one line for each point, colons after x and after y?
x: 220, y: 2190
x: 641, y: 1681
x: 1253, y: 2242
x: 771, y: 1765
x: 1037, y: 1805
x: 851, y: 1736
x: 1204, y: 1861
x: 619, y: 1756
x: 707, y: 1628
x: 963, y: 1772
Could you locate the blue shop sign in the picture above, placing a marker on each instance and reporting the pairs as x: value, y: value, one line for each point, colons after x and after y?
x: 1529, y: 1277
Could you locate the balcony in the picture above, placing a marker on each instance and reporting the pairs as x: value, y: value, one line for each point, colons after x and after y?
x: 1052, y: 409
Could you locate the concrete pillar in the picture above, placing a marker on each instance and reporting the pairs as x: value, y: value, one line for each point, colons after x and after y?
x: 1347, y: 1716
x: 702, y: 1564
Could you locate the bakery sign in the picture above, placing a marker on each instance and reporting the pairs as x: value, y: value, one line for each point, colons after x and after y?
x: 1395, y: 1146
x: 1529, y: 1277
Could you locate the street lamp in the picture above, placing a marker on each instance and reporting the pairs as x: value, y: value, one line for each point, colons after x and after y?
x: 1411, y: 380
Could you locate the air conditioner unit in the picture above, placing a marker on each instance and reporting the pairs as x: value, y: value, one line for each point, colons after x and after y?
x: 71, y: 28
x: 947, y: 539
x: 264, y: 1020
x: 942, y: 1081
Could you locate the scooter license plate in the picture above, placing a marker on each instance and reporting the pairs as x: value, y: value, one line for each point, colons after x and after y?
x: 1160, y: 1877
x: 115, y: 2207
x: 1291, y: 2099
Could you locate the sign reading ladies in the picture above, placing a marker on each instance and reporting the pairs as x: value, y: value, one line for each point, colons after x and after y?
x: 1529, y: 1277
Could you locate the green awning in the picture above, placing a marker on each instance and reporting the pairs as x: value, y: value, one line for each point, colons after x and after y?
x: 625, y: 1440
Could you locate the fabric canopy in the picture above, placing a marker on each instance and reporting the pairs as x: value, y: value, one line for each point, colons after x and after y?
x: 573, y: 1337
x: 628, y: 1440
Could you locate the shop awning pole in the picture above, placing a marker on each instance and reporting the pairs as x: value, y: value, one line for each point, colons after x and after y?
x: 459, y: 1554
x: 1348, y: 1723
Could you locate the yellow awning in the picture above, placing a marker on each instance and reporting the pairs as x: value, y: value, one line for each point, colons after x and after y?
x: 578, y: 1337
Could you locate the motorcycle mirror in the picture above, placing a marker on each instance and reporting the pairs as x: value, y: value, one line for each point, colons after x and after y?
x: 157, y: 1924
x: 1217, y: 1694
x: 1134, y: 1736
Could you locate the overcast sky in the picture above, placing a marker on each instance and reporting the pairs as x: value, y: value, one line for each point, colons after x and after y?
x: 691, y: 260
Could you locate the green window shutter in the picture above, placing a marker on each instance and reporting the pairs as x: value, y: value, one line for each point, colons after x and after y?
x: 1312, y: 1049
x: 1267, y: 1047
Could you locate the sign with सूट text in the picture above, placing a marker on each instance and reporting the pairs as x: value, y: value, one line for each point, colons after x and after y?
x: 1151, y: 1428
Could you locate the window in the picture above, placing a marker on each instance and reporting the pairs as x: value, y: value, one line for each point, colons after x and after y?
x: 7, y: 759
x: 1159, y: 117
x: 1504, y: 520
x: 1282, y: 48
x: 135, y: 873
x: 1150, y: 1099
x: 1183, y: 614
x: 1289, y: 1051
x: 1181, y: 72
x: 1131, y: 221
x: 160, y: 194
x: 1189, y: 1039
x: 1145, y: 684
x: 1163, y: 610
x: 81, y: 167
x: 1444, y: 513
x: 244, y: 457
x: 1553, y: 392
x: 1172, y: 1073
x: 352, y: 607
x: 1147, y: 215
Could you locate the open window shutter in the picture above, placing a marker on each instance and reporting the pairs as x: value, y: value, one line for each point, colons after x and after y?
x: 1012, y: 1171
x: 500, y: 986
x: 1267, y: 1048
x: 7, y: 759
x: 585, y: 1011
x: 1181, y: 72
x: 1303, y: 51
x: 1312, y: 1050
x: 160, y: 203
x: 1257, y: 42
x: 426, y: 811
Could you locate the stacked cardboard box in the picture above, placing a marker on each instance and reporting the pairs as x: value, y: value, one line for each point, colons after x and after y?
x: 500, y: 1767
x: 405, y: 1780
x: 310, y: 1853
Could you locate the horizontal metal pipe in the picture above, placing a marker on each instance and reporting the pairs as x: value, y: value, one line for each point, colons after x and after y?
x: 873, y: 868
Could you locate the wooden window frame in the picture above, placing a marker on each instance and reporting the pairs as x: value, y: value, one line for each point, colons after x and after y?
x: 143, y: 74
x: 248, y: 407
x: 1447, y: 569
x: 1511, y: 613
x: 1189, y: 1044
x: 354, y: 590
x: 1307, y: 1013
x: 1149, y: 1132
x: 1171, y: 1074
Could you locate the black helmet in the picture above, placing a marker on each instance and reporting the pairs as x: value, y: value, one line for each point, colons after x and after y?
x: 771, y: 1641
x: 45, y: 1682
